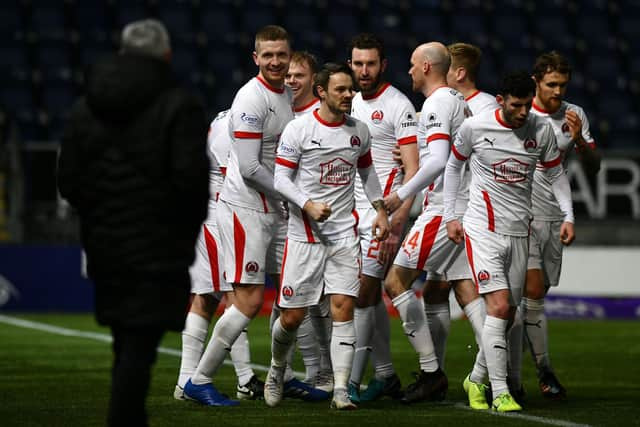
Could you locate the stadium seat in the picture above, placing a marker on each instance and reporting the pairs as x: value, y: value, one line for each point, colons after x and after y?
x: 47, y: 18
x: 218, y: 22
x: 11, y: 18
x: 424, y: 25
x: 256, y: 17
x: 177, y: 16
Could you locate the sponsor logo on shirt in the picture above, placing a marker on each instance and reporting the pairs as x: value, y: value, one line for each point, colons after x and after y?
x: 510, y: 171
x: 432, y: 121
x: 250, y: 119
x: 284, y: 148
x: 376, y: 116
x: 410, y: 121
x: 336, y: 172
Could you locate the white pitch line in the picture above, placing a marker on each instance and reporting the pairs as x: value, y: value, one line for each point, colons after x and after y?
x: 173, y: 352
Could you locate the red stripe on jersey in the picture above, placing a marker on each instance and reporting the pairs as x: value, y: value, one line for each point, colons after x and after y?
x: 490, y: 217
x: 304, y: 107
x: 389, y: 184
x: 288, y: 163
x: 456, y: 153
x: 378, y: 93
x: 552, y: 163
x: 357, y: 218
x: 538, y: 108
x: 247, y: 135
x: 435, y: 136
x: 502, y: 122
x: 467, y: 245
x: 330, y: 124
x: 264, y: 202
x: 365, y: 160
x: 284, y: 262
x: 472, y: 95
x: 223, y: 170
x: 239, y: 240
x: 212, y: 251
x: 307, y: 228
x: 217, y: 195
x: 270, y: 87
x: 428, y: 237
x: 408, y: 140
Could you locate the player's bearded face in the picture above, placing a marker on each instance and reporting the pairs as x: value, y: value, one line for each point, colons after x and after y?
x: 367, y: 68
x: 339, y: 93
x: 551, y: 90
x: 273, y: 57
x: 515, y: 110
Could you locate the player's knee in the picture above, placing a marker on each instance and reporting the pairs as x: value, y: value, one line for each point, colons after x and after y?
x: 465, y: 292
x: 291, y: 318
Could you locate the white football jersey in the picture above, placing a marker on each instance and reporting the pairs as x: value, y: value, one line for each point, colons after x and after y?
x: 306, y: 109
x: 259, y: 111
x: 442, y: 114
x: 218, y: 147
x: 480, y: 101
x: 545, y: 206
x: 502, y: 162
x: 391, y: 119
x: 326, y: 157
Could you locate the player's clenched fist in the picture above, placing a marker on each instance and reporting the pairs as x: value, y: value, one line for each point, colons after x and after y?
x: 318, y: 211
x: 454, y: 231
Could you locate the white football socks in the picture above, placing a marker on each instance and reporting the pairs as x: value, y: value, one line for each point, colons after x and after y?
x: 514, y: 340
x: 194, y: 336
x: 241, y: 358
x: 414, y: 323
x: 364, y: 321
x: 381, y: 343
x: 535, y: 324
x: 343, y: 342
x: 439, y: 321
x: 495, y: 351
x: 309, y: 348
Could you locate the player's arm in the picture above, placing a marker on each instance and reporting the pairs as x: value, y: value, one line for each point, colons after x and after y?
x: 371, y: 186
x: 257, y: 176
x: 588, y: 155
x: 460, y: 151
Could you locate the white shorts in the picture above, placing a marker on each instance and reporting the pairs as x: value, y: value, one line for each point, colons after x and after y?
x: 458, y: 270
x: 206, y: 271
x: 497, y: 262
x: 311, y: 269
x: 427, y: 247
x: 252, y: 243
x: 545, y: 250
x: 369, y: 246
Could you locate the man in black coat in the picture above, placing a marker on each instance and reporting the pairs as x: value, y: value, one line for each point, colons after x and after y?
x: 133, y: 164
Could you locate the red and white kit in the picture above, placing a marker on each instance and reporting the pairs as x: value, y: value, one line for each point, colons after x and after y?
x: 545, y: 248
x: 479, y: 102
x: 306, y: 109
x: 258, y: 115
x: 502, y: 162
x: 318, y: 161
x: 207, y: 269
x: 392, y: 121
x: 426, y: 246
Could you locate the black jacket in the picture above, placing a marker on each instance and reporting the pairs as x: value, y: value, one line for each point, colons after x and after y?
x: 133, y: 163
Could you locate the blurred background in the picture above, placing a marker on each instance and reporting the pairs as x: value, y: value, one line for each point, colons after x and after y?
x: 45, y: 46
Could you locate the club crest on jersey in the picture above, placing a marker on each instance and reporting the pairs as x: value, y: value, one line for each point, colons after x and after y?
x: 530, y: 145
x: 510, y: 171
x: 376, y: 116
x: 355, y: 141
x: 252, y: 267
x: 565, y: 130
x: 336, y: 172
x: 483, y: 276
x: 287, y: 292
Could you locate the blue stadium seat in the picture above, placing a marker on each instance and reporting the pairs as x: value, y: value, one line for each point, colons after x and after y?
x: 424, y: 25
x: 343, y: 24
x: 47, y: 18
x: 11, y: 18
x: 218, y: 22
x: 128, y: 11
x: 177, y: 16
x: 466, y: 24
x: 90, y: 16
x: 629, y: 26
x: 510, y: 29
x: 256, y: 17
x: 553, y: 31
x: 301, y: 21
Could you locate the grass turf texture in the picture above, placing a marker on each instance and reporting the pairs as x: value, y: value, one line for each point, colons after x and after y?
x: 54, y: 380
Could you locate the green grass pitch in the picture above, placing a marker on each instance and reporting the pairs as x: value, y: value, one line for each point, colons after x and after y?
x: 48, y: 379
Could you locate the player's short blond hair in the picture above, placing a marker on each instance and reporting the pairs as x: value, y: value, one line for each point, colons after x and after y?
x: 304, y: 57
x: 271, y: 33
x: 467, y: 56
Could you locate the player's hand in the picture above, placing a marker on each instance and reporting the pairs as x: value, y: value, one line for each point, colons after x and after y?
x: 575, y: 124
x: 455, y: 231
x: 392, y: 202
x: 381, y: 225
x: 567, y: 235
x: 284, y: 209
x: 388, y: 249
x: 318, y: 211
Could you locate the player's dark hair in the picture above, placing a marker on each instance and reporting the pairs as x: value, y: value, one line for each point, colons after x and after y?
x: 302, y: 57
x: 271, y: 33
x: 518, y: 84
x: 367, y: 41
x: 329, y: 69
x: 550, y: 62
x: 467, y: 56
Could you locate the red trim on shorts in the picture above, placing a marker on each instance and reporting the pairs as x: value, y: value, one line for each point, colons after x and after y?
x: 435, y: 136
x: 239, y: 241
x: 502, y: 122
x: 212, y: 251
x: 467, y: 246
x: 490, y: 217
x: 270, y: 87
x: 307, y: 227
x: 304, y: 107
x: 365, y: 160
x: 287, y: 163
x: 357, y: 218
x: 247, y: 135
x: 552, y: 163
x: 264, y: 201
x: 389, y: 184
x: 284, y: 262
x: 456, y: 153
x: 428, y: 237
x: 408, y: 140
x: 472, y: 95
x: 378, y: 93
